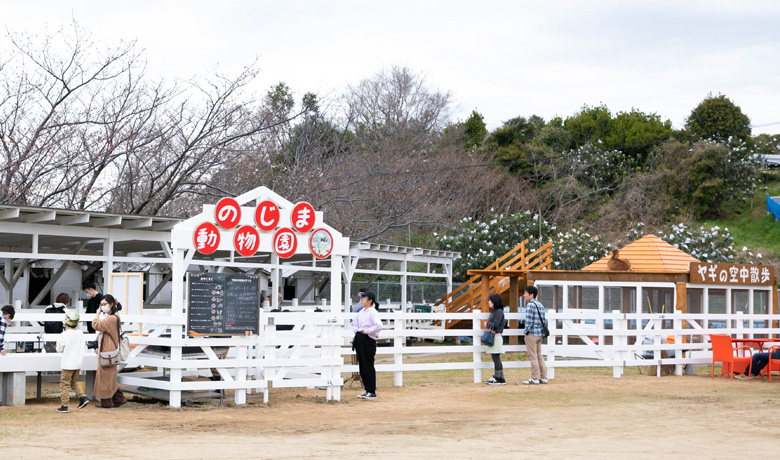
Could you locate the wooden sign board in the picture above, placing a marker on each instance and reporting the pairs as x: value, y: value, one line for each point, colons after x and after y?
x: 735, y: 274
x: 223, y: 304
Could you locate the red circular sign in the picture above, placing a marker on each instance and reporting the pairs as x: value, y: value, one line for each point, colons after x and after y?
x: 267, y: 215
x: 227, y: 213
x: 285, y: 243
x: 246, y: 240
x: 302, y: 217
x: 321, y: 243
x: 206, y: 238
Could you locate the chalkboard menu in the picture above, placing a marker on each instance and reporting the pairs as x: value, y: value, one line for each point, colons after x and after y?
x: 223, y: 304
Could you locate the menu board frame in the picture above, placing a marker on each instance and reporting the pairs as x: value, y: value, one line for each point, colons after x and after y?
x: 220, y: 306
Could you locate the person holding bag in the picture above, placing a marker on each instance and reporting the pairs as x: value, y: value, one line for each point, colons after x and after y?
x: 106, y: 386
x: 496, y: 325
x: 535, y: 330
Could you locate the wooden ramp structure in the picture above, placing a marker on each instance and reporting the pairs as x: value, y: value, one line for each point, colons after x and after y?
x: 473, y: 294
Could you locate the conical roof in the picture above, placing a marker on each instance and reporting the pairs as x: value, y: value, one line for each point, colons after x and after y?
x: 649, y: 254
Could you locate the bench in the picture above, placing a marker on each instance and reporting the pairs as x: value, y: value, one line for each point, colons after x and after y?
x: 14, y: 368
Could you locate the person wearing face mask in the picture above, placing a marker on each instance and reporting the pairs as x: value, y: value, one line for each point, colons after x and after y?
x: 106, y: 386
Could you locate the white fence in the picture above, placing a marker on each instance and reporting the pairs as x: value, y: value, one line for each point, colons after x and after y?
x: 307, y: 349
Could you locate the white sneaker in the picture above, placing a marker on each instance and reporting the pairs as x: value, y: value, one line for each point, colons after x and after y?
x: 530, y: 382
x: 492, y: 381
x: 543, y: 381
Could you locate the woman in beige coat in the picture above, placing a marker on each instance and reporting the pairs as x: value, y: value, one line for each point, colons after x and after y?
x: 106, y: 386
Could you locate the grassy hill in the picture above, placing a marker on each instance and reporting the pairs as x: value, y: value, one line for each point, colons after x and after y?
x: 752, y: 226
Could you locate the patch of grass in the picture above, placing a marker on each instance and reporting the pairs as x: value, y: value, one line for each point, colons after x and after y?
x: 753, y: 228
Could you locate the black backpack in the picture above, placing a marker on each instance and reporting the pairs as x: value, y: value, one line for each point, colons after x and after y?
x: 54, y: 327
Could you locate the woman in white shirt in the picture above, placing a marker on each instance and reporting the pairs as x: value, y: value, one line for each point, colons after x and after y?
x: 366, y: 327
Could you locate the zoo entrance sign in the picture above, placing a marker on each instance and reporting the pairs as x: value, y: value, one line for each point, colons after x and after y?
x: 268, y: 222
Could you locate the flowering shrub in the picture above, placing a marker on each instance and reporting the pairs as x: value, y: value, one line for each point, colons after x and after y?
x: 597, y: 168
x: 576, y: 249
x: 482, y: 242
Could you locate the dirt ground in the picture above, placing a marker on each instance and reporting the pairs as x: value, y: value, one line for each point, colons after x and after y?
x: 580, y: 414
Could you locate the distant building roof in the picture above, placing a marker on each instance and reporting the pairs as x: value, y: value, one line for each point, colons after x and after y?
x: 649, y: 254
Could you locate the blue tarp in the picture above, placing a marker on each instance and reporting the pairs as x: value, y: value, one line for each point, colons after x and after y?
x: 773, y: 206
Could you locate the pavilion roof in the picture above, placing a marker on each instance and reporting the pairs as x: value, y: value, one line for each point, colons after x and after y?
x: 649, y: 254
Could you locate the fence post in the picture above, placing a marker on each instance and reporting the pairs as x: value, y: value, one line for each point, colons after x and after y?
x: 678, y: 349
x: 657, y: 341
x: 334, y: 353
x: 174, y: 397
x: 741, y: 326
x: 269, y: 355
x: 399, y: 324
x: 476, y: 332
x: 240, y: 393
x: 551, y: 325
x: 619, y: 339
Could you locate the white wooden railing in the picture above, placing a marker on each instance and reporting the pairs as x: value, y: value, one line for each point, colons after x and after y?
x: 313, y: 352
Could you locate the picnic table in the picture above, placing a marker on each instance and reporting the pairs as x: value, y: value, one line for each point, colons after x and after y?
x: 756, y: 343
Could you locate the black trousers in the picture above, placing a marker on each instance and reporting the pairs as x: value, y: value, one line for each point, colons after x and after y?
x: 365, y: 349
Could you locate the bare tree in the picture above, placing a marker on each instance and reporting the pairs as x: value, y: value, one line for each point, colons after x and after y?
x: 378, y: 165
x: 53, y: 93
x: 82, y: 127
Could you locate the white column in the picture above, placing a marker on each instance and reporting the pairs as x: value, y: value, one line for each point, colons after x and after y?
x: 476, y: 333
x: 177, y: 311
x: 335, y: 284
x: 276, y: 275
x: 404, y: 280
x: 600, y: 324
x: 108, y: 253
x: 677, y: 324
x: 9, y: 276
x: 618, y: 326
x: 399, y: 341
x: 240, y: 393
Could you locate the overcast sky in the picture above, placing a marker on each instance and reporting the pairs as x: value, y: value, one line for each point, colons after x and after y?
x: 503, y: 58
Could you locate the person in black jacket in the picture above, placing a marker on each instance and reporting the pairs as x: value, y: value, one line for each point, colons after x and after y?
x: 55, y: 327
x: 94, y: 302
x: 496, y: 324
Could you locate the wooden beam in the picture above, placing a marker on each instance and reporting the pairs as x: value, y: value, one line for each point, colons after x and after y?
x: 12, y: 213
x: 73, y: 220
x: 634, y: 277
x: 484, y: 293
x: 19, y: 271
x: 157, y: 289
x: 136, y: 223
x: 7, y: 276
x: 41, y: 217
x: 107, y: 221
x: 56, y: 277
x: 514, y: 301
x: 682, y: 297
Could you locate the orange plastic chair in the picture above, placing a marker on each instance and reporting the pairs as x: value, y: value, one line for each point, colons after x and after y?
x: 724, y: 352
x: 774, y: 364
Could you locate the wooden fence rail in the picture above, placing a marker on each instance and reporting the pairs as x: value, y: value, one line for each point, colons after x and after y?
x: 309, y: 349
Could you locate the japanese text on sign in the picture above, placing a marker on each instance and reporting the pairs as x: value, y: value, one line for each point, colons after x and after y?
x: 267, y: 215
x: 302, y: 217
x: 227, y: 213
x: 285, y: 243
x: 705, y: 273
x: 246, y: 241
x: 206, y: 238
